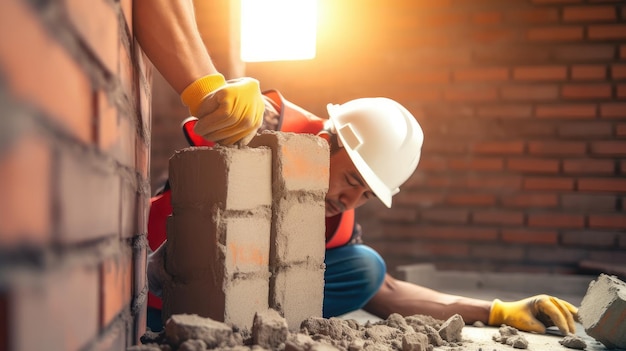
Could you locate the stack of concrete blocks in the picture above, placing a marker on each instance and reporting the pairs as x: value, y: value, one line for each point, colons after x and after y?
x: 218, y: 234
x: 247, y: 230
x: 602, y: 311
x: 300, y: 165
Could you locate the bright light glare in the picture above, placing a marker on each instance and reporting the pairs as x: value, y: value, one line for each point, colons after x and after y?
x: 278, y: 30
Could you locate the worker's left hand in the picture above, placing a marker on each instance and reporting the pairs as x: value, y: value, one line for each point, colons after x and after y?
x: 535, y: 314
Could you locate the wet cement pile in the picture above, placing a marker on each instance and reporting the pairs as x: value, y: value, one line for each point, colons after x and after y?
x: 270, y: 332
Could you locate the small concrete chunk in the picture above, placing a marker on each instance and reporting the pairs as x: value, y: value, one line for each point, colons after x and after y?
x: 509, y: 336
x: 603, y: 311
x: 414, y: 342
x: 573, y: 342
x: 182, y: 327
x: 269, y: 329
x: 451, y: 329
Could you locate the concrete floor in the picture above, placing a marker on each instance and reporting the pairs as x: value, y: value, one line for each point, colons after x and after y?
x: 505, y: 286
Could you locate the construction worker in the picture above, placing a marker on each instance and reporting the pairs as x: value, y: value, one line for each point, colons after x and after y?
x: 375, y: 146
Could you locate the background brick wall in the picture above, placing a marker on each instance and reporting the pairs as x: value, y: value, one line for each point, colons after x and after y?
x: 523, y: 104
x: 74, y: 175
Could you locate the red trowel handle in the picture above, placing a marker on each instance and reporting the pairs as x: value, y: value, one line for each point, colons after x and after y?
x: 192, y: 138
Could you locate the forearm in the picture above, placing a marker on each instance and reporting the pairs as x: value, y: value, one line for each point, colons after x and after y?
x: 407, y: 299
x: 168, y: 34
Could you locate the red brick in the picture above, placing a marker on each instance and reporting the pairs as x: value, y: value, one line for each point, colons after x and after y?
x: 613, y: 110
x: 398, y: 215
x: 609, y: 221
x: 435, y: 76
x: 433, y: 163
x: 618, y: 71
x: 481, y: 74
x: 486, y: 18
x: 591, y: 202
x: 548, y: 183
x: 46, y: 83
x: 546, y: 2
x: 445, y: 146
x: 142, y: 158
x: 557, y: 147
x: 540, y: 73
x: 589, y: 13
x: 499, y: 217
x: 494, y: 182
x: 26, y: 203
x: 607, y: 31
x: 584, y: 72
x: 87, y: 189
x: 492, y: 36
x: 419, y: 93
x: 4, y: 322
x: 533, y: 15
x: 528, y: 200
x: 476, y: 164
x: 556, y: 220
x: 585, y: 130
x: 621, y: 91
x: 469, y: 199
x: 421, y: 199
x: 530, y: 92
x: 127, y: 10
x: 498, y: 252
x: 571, y: 257
x: 622, y: 51
x: 527, y: 236
x: 555, y: 33
x: 444, y: 215
x: 126, y: 73
x: 443, y: 19
x: 621, y: 129
x: 579, y: 53
x: 505, y: 111
x: 610, y: 148
x: 589, y: 239
x: 533, y: 165
x: 498, y: 147
x: 602, y: 184
x: 97, y: 24
x: 116, y: 287
x: 588, y: 166
x: 470, y: 94
x: 622, y: 166
x: 586, y: 91
x: 61, y: 304
x: 463, y: 232
x: 566, y: 111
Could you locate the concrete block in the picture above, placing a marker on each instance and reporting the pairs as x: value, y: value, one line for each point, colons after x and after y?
x: 603, y: 311
x: 246, y: 245
x: 301, y: 161
x: 244, y: 297
x: 297, y: 292
x: 227, y: 177
x: 298, y: 234
x: 191, y: 244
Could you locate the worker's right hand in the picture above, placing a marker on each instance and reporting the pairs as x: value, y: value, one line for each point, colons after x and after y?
x: 534, y: 314
x: 227, y: 111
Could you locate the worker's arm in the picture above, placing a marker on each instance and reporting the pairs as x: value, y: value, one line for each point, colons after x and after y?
x: 227, y: 112
x: 167, y: 32
x: 396, y: 296
x: 532, y: 314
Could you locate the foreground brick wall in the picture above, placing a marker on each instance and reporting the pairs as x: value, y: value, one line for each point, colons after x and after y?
x: 524, y: 108
x: 74, y: 158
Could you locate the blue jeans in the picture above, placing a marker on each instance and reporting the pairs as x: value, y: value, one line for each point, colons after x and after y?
x: 354, y: 273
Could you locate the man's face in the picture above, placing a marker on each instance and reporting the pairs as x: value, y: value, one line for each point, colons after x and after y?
x: 346, y: 189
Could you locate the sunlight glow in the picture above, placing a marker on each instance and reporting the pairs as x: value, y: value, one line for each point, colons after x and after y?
x: 278, y: 30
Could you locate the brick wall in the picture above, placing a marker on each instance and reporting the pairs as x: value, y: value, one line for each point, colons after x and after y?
x: 523, y: 104
x: 74, y: 170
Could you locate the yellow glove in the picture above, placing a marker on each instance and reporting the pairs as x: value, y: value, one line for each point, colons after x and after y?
x: 228, y: 111
x: 535, y: 314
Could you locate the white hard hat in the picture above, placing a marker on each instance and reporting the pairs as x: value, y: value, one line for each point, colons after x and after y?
x: 383, y: 140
